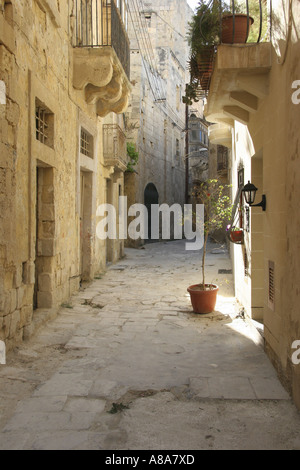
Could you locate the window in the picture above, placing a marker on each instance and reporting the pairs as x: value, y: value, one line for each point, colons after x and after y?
x: 86, y: 143
x: 177, y: 148
x: 196, y: 135
x: 44, y: 124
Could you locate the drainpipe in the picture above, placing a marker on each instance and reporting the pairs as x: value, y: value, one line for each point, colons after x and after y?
x: 186, y: 153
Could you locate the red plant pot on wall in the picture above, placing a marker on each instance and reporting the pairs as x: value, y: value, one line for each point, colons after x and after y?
x: 237, y: 236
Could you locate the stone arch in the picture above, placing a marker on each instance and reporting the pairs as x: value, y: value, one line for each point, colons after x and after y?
x: 151, y: 196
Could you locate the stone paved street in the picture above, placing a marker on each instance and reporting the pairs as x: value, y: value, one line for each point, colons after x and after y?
x: 127, y: 365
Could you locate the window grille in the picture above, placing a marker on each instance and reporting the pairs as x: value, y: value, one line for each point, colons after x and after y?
x: 85, y: 143
x: 177, y: 148
x: 44, y: 124
x: 41, y: 125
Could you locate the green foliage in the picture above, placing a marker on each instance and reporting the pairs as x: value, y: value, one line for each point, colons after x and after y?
x: 217, y: 204
x: 254, y: 12
x: 217, y: 210
x: 204, y: 35
x: 133, y: 155
x: 204, y: 28
x: 117, y: 408
x: 190, y: 95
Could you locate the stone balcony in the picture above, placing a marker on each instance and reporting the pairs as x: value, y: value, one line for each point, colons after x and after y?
x: 239, y: 80
x: 114, y: 147
x: 101, y: 56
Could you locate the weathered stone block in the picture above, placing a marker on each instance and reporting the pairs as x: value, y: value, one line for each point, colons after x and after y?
x: 47, y: 212
x: 28, y: 272
x: 48, y: 229
x: 12, y: 113
x: 48, y: 194
x: 15, y: 323
x: 26, y: 315
x: 6, y: 326
x: 46, y: 247
x: 45, y: 282
x: 28, y: 295
x: 18, y: 277
x: 7, y: 36
x: 8, y: 279
x: 13, y: 300
x: 20, y: 296
x: 6, y: 303
x: 58, y: 277
x: 45, y: 299
x: 74, y: 285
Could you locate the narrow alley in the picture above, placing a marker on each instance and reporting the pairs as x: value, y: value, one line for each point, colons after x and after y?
x: 127, y: 365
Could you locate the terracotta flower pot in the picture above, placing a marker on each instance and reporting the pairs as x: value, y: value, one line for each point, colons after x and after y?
x: 203, y: 301
x: 237, y: 236
x: 240, y: 29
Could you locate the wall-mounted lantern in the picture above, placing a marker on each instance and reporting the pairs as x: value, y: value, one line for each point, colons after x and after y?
x: 249, y: 192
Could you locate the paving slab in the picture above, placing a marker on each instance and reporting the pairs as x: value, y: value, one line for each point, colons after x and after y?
x: 130, y: 366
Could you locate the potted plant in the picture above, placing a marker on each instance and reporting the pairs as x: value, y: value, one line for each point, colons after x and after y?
x: 203, y: 35
x: 211, y: 25
x: 236, y: 28
x: 217, y: 209
x: 236, y: 234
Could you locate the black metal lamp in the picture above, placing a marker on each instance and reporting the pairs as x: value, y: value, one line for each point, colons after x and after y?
x: 249, y: 191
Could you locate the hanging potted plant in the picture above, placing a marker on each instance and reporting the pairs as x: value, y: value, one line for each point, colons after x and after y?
x: 203, y: 35
x: 236, y: 28
x: 236, y: 235
x: 217, y: 209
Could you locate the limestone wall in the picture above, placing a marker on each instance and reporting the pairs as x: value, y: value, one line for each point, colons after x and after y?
x: 273, y: 166
x: 49, y: 191
x: 156, y: 107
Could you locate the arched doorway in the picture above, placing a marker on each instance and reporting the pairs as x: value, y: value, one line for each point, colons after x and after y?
x: 151, y: 196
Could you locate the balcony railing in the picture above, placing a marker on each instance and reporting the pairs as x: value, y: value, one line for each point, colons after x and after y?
x: 101, y: 23
x: 218, y: 22
x: 114, y: 146
x: 217, y: 12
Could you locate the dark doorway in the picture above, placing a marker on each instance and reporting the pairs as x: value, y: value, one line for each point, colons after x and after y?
x: 150, y: 197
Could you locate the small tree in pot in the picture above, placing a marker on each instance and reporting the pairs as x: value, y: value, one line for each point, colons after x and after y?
x: 217, y: 211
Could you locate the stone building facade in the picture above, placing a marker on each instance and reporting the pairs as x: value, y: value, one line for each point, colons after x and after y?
x: 156, y: 114
x: 254, y: 102
x: 206, y: 160
x: 62, y: 91
x: 198, y: 146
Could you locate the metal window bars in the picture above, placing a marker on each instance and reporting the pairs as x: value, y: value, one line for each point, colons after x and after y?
x: 101, y: 23
x: 85, y: 144
x: 41, y: 124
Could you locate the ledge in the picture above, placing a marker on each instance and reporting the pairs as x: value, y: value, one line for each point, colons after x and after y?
x: 239, y: 80
x: 99, y: 73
